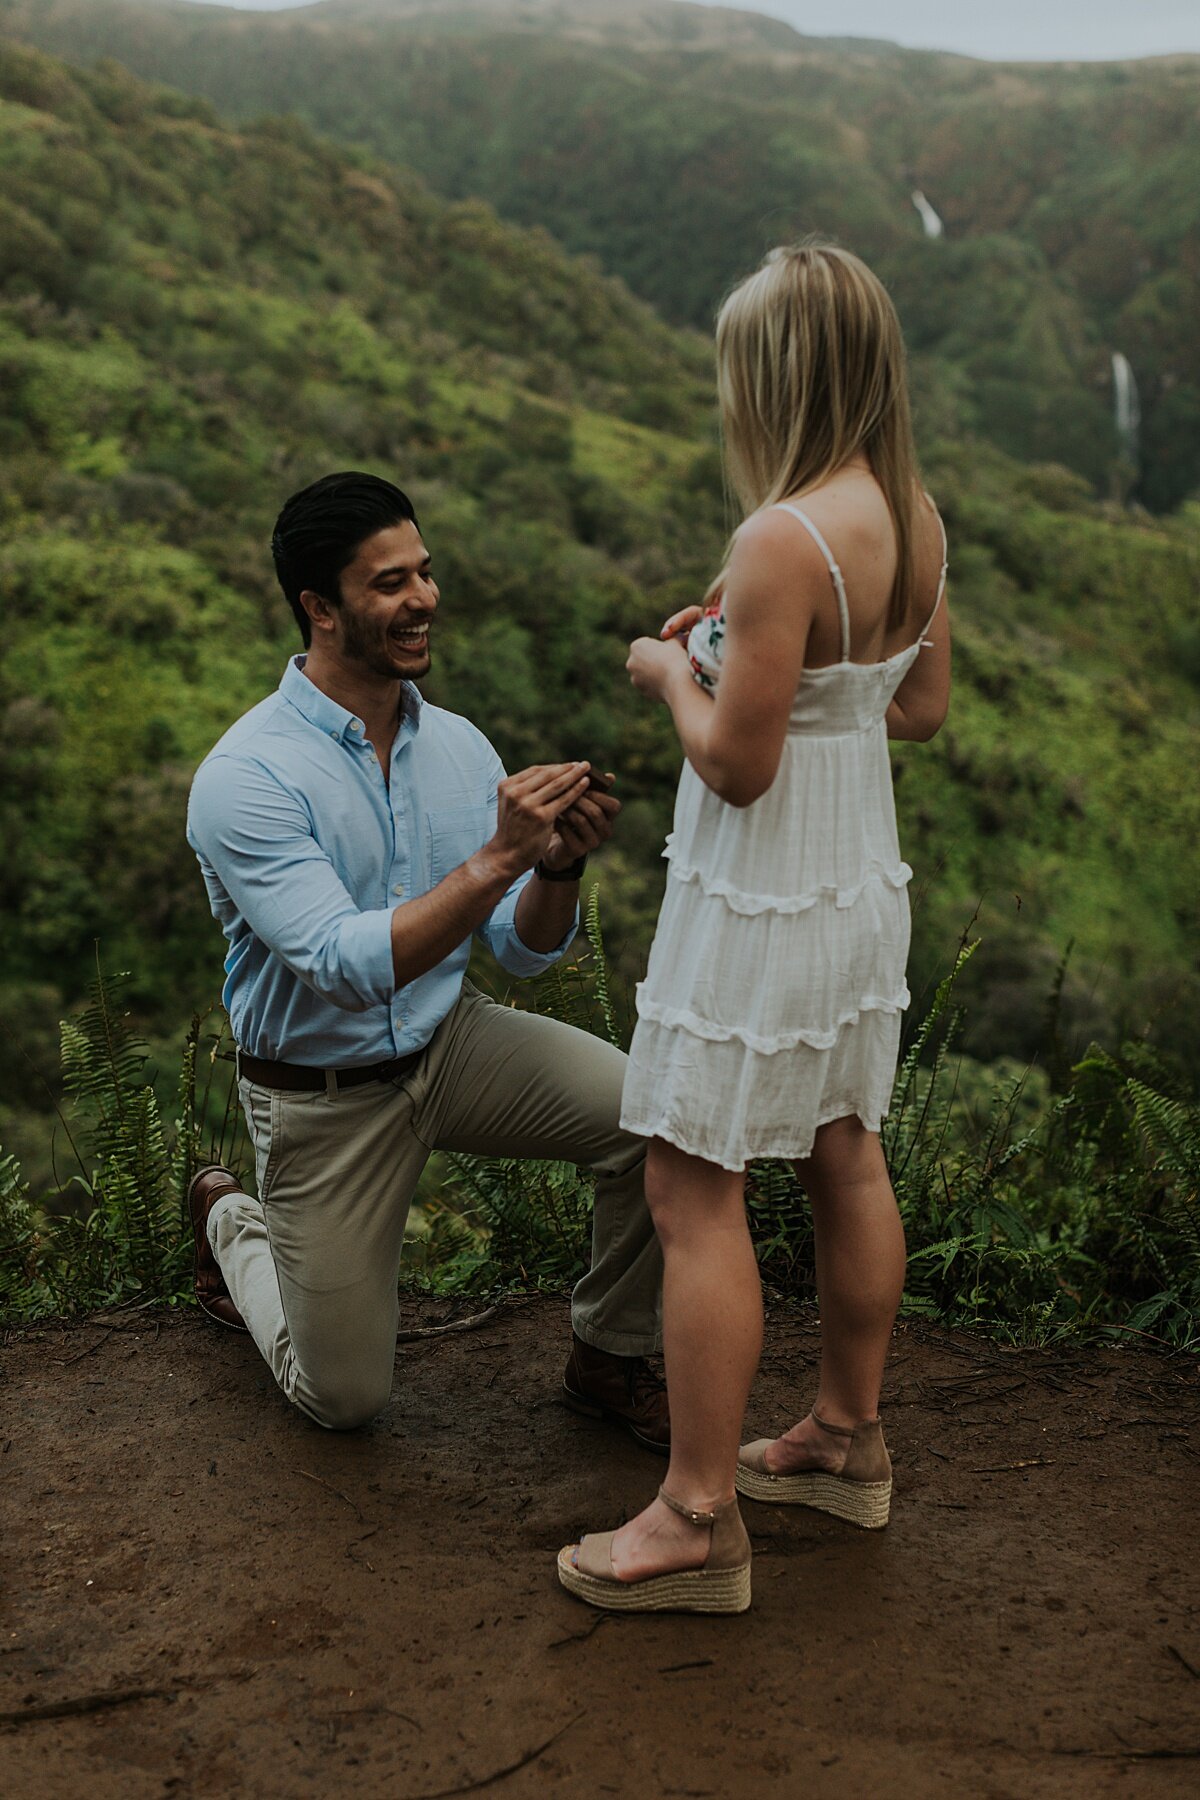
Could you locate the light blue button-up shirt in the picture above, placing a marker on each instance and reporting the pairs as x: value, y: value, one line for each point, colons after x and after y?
x: 306, y: 851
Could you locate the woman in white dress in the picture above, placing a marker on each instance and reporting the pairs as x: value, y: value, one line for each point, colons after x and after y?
x: 769, y: 1019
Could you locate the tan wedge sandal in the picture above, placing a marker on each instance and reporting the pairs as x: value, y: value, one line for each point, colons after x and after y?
x: 722, y: 1585
x: 861, y: 1491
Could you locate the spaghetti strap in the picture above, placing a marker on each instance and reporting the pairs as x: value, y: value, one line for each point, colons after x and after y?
x: 839, y: 585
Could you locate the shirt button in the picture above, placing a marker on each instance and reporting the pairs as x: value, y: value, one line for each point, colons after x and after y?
x: 335, y: 734
x: 398, y: 891
x: 356, y: 725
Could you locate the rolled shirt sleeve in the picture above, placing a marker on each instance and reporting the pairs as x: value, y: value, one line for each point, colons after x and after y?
x: 258, y: 841
x: 499, y: 930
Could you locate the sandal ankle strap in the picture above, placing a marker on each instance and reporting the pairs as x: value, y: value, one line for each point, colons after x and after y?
x: 845, y: 1431
x: 688, y: 1512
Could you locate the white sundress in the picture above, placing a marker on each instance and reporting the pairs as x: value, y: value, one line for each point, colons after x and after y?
x: 775, y: 984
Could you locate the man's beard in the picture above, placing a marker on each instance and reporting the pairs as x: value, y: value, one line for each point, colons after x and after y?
x: 368, y: 647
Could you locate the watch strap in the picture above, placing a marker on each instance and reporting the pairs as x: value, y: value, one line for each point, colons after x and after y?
x: 572, y: 872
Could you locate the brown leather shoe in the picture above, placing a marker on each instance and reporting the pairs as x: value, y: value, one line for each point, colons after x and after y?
x: 212, y: 1296
x: 622, y: 1389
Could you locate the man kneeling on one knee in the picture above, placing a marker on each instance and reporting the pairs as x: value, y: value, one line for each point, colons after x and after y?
x: 352, y: 838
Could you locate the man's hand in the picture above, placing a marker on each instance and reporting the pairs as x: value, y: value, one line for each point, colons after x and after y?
x: 528, y: 812
x: 583, y: 827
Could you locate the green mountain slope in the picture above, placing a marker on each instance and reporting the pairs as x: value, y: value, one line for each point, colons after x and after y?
x: 195, y: 320
x: 676, y: 142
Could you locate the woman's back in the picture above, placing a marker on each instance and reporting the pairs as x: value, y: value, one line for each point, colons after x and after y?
x: 838, y: 656
x: 855, y: 534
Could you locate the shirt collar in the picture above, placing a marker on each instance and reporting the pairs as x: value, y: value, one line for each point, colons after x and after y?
x: 331, y: 719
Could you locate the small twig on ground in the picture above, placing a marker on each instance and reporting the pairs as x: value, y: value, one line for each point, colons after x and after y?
x: 66, y: 1361
x: 115, y: 1312
x: 337, y: 1721
x: 577, y: 1637
x: 365, y: 1561
x: 1028, y: 1462
x: 1124, y: 1424
x: 1183, y: 1661
x: 705, y: 1662
x: 85, y: 1703
x: 522, y: 1762
x: 1131, y: 1755
x: 328, y: 1486
x: 431, y: 1331
x: 992, y: 1394
x: 1134, y: 1332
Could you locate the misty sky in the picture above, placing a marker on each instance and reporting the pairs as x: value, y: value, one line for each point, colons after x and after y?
x: 1016, y: 29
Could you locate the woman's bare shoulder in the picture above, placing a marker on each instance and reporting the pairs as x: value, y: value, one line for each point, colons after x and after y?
x: 772, y: 544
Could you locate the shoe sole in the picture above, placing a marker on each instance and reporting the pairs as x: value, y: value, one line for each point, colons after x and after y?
x: 867, y: 1504
x: 687, y: 1591
x: 212, y: 1317
x: 590, y: 1409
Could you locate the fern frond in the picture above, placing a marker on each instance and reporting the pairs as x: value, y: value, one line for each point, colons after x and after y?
x: 1172, y: 1129
x: 23, y: 1289
x: 600, y: 971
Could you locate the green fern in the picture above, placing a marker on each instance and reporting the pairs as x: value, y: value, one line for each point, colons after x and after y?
x: 24, y: 1292
x: 130, y: 1242
x: 1172, y: 1131
x: 536, y: 1217
x: 125, y: 1237
x: 600, y: 970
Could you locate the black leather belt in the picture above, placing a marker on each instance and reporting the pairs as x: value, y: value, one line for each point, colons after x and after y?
x: 298, y: 1078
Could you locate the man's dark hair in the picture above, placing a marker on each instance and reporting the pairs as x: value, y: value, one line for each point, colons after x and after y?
x: 320, y: 529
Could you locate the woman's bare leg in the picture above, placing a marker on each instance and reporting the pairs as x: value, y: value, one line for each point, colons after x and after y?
x: 860, y: 1278
x: 712, y: 1339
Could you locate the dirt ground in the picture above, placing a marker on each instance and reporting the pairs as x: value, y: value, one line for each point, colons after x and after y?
x: 203, y: 1594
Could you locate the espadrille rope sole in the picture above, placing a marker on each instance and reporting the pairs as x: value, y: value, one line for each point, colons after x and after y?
x: 688, y: 1591
x: 865, y: 1503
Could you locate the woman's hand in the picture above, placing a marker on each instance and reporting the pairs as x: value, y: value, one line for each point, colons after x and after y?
x: 680, y: 623
x: 654, y: 665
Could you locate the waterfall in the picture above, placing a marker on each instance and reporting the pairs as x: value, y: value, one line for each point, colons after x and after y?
x: 1127, y: 407
x: 929, y: 219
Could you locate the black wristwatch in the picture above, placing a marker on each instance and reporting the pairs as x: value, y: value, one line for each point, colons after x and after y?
x: 572, y: 872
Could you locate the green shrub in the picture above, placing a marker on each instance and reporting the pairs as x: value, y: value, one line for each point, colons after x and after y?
x: 1030, y: 1214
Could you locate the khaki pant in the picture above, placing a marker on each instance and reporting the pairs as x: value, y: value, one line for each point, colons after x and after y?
x: 313, y: 1263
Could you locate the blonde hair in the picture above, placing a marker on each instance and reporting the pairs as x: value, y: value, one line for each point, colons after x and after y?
x: 811, y: 371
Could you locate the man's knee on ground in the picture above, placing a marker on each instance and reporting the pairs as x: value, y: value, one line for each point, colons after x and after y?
x: 348, y: 1403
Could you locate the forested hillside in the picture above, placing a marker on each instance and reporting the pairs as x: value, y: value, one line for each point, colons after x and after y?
x: 195, y: 319
x: 676, y: 142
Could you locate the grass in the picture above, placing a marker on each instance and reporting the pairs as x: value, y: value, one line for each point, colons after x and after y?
x: 1034, y: 1210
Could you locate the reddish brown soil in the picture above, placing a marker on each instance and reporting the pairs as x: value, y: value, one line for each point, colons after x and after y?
x: 377, y: 1613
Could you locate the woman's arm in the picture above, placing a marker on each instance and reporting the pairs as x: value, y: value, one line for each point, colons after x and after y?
x: 921, y: 702
x: 735, y: 740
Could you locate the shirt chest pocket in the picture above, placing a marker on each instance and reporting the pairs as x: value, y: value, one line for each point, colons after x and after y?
x: 454, y: 834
